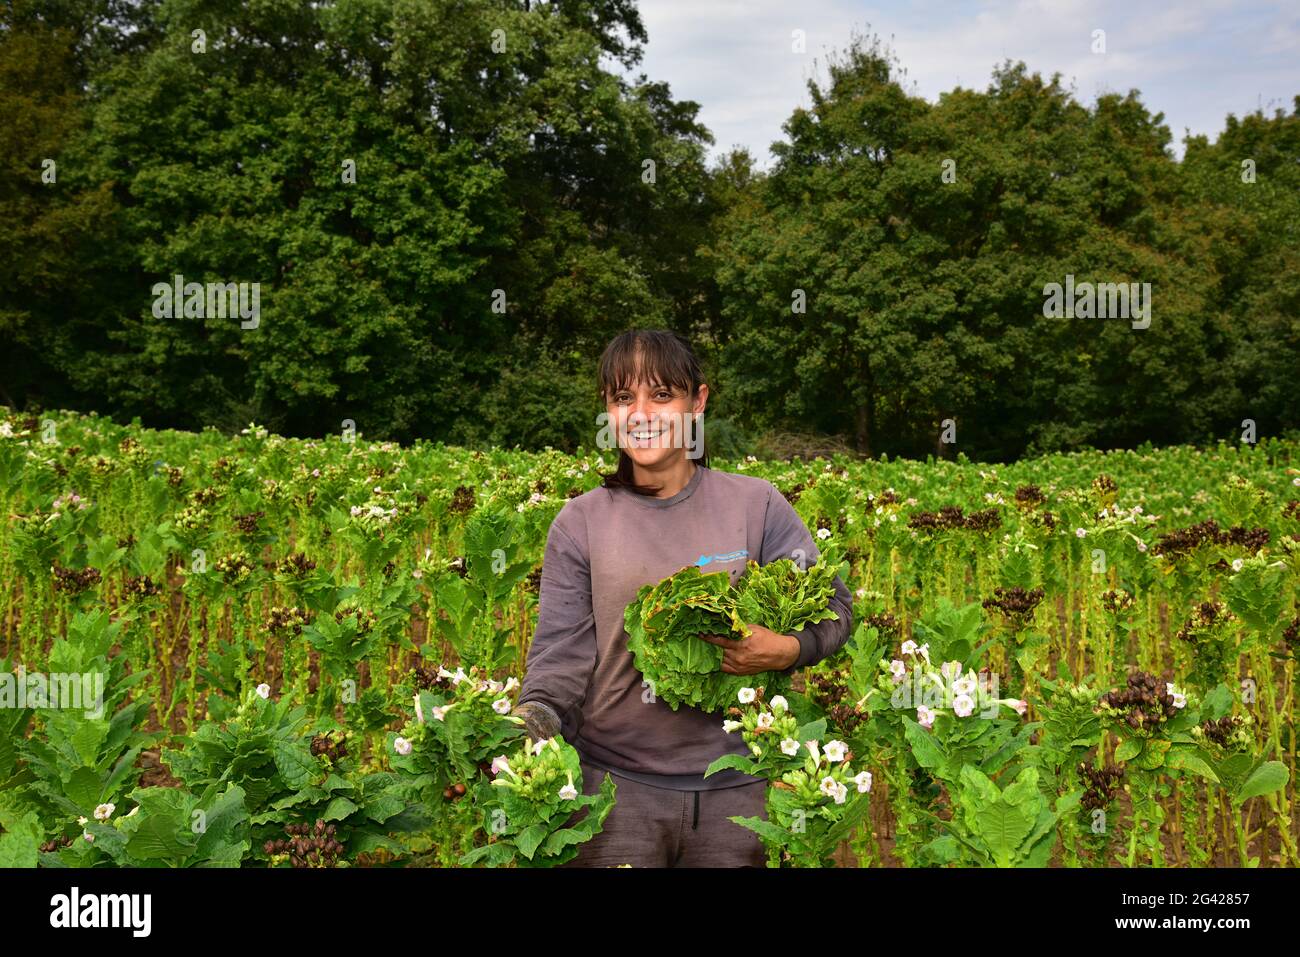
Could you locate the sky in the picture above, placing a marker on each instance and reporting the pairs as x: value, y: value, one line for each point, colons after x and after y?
x: 1195, y: 61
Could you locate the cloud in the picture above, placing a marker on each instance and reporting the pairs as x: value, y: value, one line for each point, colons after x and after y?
x: 1195, y: 61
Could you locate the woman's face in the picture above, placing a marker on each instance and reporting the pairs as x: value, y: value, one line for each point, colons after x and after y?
x: 654, y: 421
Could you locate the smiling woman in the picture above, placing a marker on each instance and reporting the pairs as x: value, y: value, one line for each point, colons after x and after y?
x: 659, y: 511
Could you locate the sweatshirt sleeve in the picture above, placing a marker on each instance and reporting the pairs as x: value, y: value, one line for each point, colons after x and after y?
x: 562, y: 655
x: 786, y: 536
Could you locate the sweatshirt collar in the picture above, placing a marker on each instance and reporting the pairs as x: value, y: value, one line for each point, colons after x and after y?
x: 686, y: 492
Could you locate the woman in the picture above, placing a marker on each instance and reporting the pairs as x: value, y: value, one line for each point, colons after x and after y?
x: 659, y: 511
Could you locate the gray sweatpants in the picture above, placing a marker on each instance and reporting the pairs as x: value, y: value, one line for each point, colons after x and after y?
x: 658, y: 827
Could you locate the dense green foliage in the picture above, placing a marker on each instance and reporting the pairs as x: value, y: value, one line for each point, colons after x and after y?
x: 451, y: 205
x: 314, y: 647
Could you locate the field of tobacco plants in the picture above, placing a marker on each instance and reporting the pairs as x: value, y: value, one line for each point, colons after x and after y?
x: 255, y: 651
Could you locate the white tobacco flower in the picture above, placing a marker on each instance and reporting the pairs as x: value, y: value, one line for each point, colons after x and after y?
x: 459, y: 676
x: 539, y: 746
x: 950, y: 669
x: 511, y: 684
x: 730, y: 726
x: 841, y: 793
x: 924, y: 652
x: 863, y: 781
x: 898, y: 670
x: 924, y: 716
x: 501, y: 706
x: 746, y: 695
x: 778, y: 702
x: 355, y: 510
x: 83, y: 820
x: 823, y: 533
x: 834, y: 751
x: 569, y: 792
x: 790, y: 747
x: 758, y: 752
x: 814, y: 751
x: 402, y: 746
x: 829, y: 786
x: 963, y: 705
x: 104, y: 811
x: 264, y: 691
x: 1080, y: 532
x: 1236, y: 564
x: 765, y: 720
x: 964, y: 685
x: 909, y: 647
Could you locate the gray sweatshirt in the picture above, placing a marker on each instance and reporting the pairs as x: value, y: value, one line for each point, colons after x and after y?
x: 601, y: 548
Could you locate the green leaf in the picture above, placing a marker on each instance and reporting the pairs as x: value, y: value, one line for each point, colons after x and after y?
x: 1128, y: 749
x: 1268, y: 777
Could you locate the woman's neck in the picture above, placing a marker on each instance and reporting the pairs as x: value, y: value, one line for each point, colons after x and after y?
x: 672, y: 476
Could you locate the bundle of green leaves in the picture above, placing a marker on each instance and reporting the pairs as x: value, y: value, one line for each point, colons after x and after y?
x: 665, y: 622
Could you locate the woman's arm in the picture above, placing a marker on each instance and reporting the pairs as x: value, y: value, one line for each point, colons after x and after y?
x: 786, y: 536
x: 562, y: 655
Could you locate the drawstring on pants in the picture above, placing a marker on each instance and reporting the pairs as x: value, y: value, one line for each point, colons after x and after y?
x: 696, y: 819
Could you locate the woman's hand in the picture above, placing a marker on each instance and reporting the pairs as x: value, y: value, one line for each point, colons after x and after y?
x: 763, y: 650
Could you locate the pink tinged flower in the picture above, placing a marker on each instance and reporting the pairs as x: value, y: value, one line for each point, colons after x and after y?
x: 790, y: 747
x: 1020, y: 705
x: 419, y: 711
x: 963, y: 705
x: 1080, y: 532
x: 501, y: 706
x: 499, y: 764
x: 964, y: 686
x: 950, y: 669
x: 1142, y: 546
x: 402, y: 746
x: 909, y: 647
x: 898, y: 668
x: 440, y: 714
x: 264, y: 691
x: 863, y: 781
x: 355, y: 510
x: 89, y: 837
x: 924, y: 716
x: 539, y: 745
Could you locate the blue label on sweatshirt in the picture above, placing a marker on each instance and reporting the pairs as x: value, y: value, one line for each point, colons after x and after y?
x: 725, y: 557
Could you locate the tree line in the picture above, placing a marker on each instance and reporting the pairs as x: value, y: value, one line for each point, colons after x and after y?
x: 449, y: 206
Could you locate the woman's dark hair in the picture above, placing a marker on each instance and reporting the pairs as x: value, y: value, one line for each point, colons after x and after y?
x: 662, y: 358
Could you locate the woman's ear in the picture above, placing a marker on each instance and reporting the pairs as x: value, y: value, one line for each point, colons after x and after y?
x: 701, y: 397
